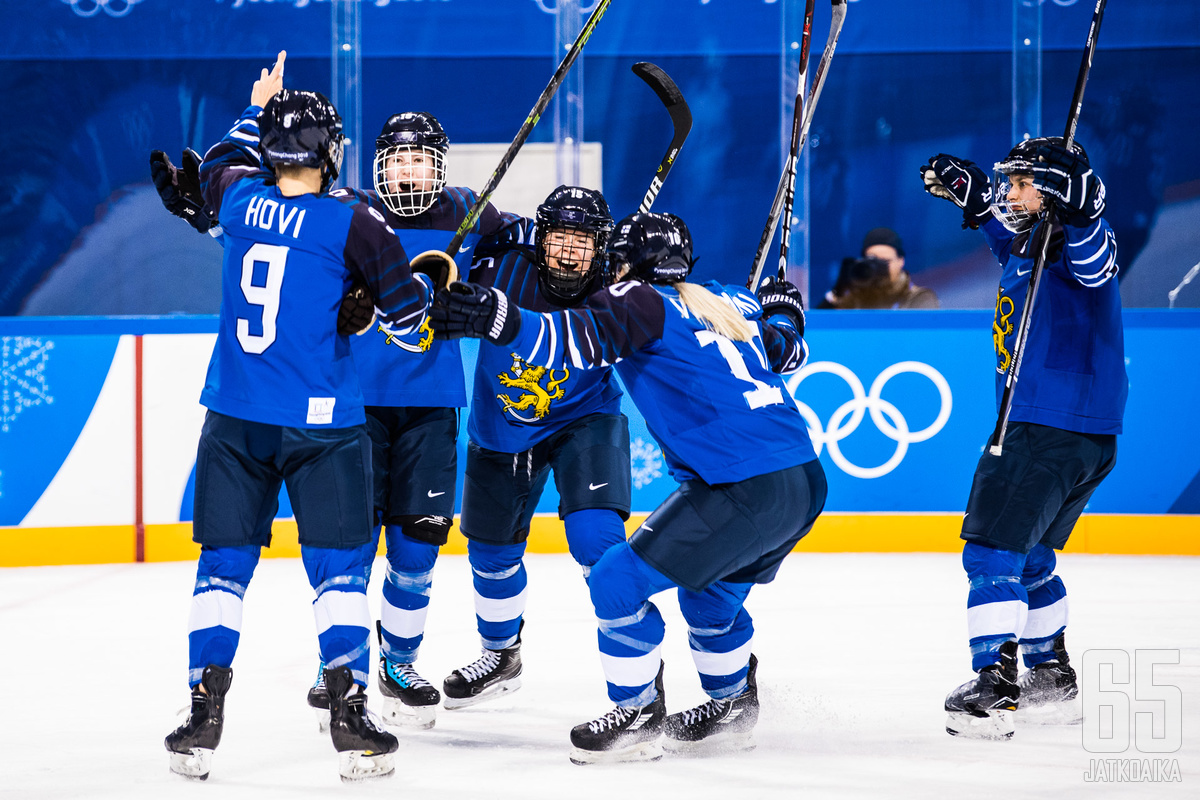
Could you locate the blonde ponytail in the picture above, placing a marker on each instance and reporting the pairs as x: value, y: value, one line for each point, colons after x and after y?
x: 714, y: 312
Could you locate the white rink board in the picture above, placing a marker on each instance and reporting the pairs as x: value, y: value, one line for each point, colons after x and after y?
x: 857, y: 653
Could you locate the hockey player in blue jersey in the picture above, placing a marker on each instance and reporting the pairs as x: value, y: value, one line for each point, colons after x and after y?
x: 1061, y: 441
x: 285, y: 406
x: 700, y: 362
x: 526, y: 421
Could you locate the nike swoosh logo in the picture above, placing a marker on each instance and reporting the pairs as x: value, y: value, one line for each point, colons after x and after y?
x: 1026, y: 272
x: 435, y: 494
x: 595, y: 486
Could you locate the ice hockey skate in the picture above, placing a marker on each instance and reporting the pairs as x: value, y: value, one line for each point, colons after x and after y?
x: 1049, y: 695
x: 318, y: 700
x: 191, y: 745
x: 718, y: 725
x: 494, y: 673
x: 623, y: 734
x: 364, y: 749
x: 983, y: 708
x: 408, y: 699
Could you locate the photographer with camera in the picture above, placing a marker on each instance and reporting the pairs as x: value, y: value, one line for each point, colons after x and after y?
x: 878, y: 279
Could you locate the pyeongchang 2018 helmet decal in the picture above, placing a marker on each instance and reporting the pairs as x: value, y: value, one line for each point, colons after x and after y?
x: 886, y: 416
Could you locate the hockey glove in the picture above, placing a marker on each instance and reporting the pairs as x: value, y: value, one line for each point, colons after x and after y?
x: 1068, y: 178
x: 436, y: 265
x: 782, y: 297
x: 479, y: 312
x: 961, y: 182
x: 179, y: 189
x: 356, y: 314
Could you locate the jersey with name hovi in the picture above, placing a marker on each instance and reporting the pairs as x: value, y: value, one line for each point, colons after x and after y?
x: 516, y: 404
x: 416, y: 370
x: 1073, y: 369
x: 287, y: 265
x: 716, y: 407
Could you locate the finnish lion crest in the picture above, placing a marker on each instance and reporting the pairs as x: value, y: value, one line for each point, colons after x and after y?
x: 533, y: 394
x: 1001, y: 327
x: 420, y: 346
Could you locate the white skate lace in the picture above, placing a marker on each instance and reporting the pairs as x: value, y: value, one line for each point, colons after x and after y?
x: 406, y: 675
x: 486, y: 663
x: 618, y: 716
x: 713, y: 708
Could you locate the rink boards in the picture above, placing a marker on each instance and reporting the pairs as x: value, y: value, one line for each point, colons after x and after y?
x: 99, y: 419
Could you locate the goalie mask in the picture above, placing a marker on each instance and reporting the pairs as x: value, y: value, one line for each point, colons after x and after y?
x: 1007, y: 189
x: 410, y: 163
x: 573, y: 226
x: 656, y: 248
x: 304, y: 129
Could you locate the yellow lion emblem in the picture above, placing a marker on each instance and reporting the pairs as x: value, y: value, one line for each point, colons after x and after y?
x: 1001, y: 327
x: 535, y: 396
x: 420, y: 346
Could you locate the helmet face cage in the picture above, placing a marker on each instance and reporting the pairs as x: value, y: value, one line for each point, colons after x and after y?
x: 656, y: 248
x: 409, y: 177
x: 303, y: 129
x: 572, y: 210
x: 1019, y: 161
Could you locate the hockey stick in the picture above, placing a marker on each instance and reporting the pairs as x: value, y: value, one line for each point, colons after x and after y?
x: 681, y: 120
x: 1048, y: 220
x: 527, y: 127
x: 810, y: 106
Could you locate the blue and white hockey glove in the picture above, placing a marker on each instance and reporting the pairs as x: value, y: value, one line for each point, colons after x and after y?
x: 179, y: 189
x: 1068, y: 178
x: 478, y: 312
x: 782, y: 297
x: 963, y: 183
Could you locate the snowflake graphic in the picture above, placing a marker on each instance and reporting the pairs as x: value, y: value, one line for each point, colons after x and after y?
x: 23, y: 362
x: 646, y: 462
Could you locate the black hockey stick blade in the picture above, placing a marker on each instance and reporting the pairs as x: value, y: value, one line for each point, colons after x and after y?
x: 681, y: 120
x: 996, y: 448
x: 527, y: 127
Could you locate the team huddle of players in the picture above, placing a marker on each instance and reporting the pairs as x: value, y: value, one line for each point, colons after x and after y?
x: 362, y: 430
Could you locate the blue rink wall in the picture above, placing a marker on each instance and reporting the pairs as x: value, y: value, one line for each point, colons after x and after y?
x: 99, y: 419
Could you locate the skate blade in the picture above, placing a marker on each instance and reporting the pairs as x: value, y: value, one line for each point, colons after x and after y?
x: 995, y: 725
x: 194, y: 765
x: 713, y: 745
x: 361, y: 765
x: 490, y: 693
x: 397, y: 714
x: 1069, y: 712
x: 643, y: 751
x: 322, y: 715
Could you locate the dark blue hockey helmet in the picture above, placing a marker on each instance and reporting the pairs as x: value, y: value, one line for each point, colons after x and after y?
x: 410, y: 162
x: 304, y: 129
x: 572, y: 209
x: 656, y: 248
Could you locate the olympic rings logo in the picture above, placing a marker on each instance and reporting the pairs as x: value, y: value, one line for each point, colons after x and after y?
x: 81, y: 7
x: 886, y: 416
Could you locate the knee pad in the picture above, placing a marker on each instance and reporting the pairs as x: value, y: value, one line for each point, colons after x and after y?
x: 407, y: 554
x: 493, y: 558
x: 1039, y: 566
x: 980, y: 561
x: 233, y: 564
x: 591, y: 531
x: 428, y: 528
x: 325, y: 563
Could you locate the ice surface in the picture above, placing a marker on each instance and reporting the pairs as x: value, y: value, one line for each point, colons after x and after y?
x: 856, y: 654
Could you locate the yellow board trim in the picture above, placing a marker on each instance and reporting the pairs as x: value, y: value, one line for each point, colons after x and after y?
x: 1108, y: 534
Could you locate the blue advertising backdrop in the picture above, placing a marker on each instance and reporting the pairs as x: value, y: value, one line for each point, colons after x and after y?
x: 91, y: 86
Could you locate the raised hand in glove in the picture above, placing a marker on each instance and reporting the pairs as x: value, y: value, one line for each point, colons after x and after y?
x: 478, y: 312
x: 963, y: 183
x: 1067, y: 177
x: 438, y: 266
x: 782, y: 297
x: 357, y: 311
x: 179, y: 189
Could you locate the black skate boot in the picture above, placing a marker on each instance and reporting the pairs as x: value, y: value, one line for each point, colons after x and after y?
x: 364, y: 749
x: 623, y: 734
x: 1050, y: 691
x: 408, y: 699
x: 496, y: 672
x: 191, y: 744
x: 718, y: 724
x: 318, y: 700
x: 983, y: 708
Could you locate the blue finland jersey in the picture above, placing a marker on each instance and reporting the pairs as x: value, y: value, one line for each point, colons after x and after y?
x: 1073, y: 371
x: 515, y: 404
x: 716, y: 407
x: 287, y: 265
x: 415, y: 369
